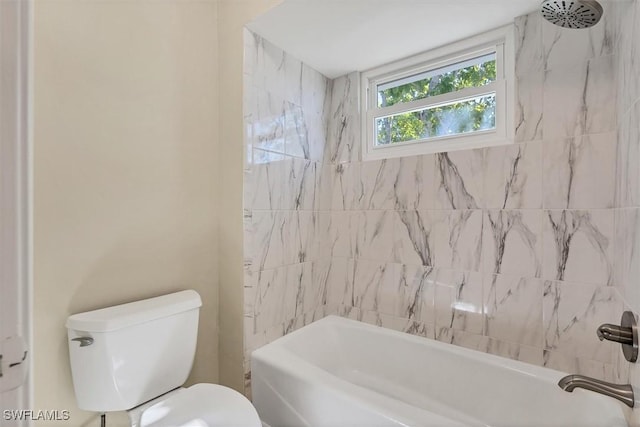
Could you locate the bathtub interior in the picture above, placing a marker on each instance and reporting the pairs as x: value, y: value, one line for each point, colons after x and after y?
x: 453, y: 382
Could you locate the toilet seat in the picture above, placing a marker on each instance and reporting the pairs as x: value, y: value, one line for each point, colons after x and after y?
x: 201, y: 405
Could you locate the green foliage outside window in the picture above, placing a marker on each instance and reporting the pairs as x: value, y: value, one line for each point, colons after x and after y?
x: 465, y: 116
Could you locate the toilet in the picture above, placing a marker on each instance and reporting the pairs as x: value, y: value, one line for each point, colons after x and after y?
x: 135, y: 357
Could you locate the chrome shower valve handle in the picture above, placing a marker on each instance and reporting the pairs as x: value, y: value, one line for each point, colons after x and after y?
x: 626, y: 334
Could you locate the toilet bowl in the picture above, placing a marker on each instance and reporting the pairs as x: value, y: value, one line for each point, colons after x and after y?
x: 135, y: 357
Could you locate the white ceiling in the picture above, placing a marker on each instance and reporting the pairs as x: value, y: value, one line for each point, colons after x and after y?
x: 339, y: 36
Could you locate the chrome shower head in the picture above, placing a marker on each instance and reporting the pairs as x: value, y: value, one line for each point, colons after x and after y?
x: 572, y: 13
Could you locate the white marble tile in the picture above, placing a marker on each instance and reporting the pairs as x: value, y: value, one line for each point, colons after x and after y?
x: 379, y: 179
x: 324, y: 186
x: 580, y: 99
x: 372, y: 232
x: 301, y: 238
x: 528, y: 44
x: 339, y: 237
x: 415, y: 234
x: 578, y: 246
x: 249, y: 106
x: 628, y: 56
x: 373, y: 286
x: 266, y: 119
x: 414, y: 186
x: 323, y: 243
x: 256, y: 340
x: 512, y: 176
x: 249, y: 292
x: 347, y: 187
x: 298, y: 292
x: 248, y: 254
x: 316, y: 100
x: 346, y: 311
x: 627, y: 256
x: 399, y: 324
x: 513, y: 309
x: 317, y: 298
x: 460, y: 338
x: 261, y: 157
x: 315, y: 91
x: 343, y: 139
x: 628, y: 158
x: 458, y: 240
x: 512, y: 242
x: 268, y: 185
x: 579, y: 173
x: 292, y: 79
x: 529, y: 107
x: 246, y: 365
x: 624, y: 369
x: 296, y: 132
x: 304, y: 133
x: 459, y: 177
x: 571, y: 314
x: 514, y: 351
x: 458, y: 301
x: 272, y: 70
x: 300, y: 184
x: 316, y: 123
x: 247, y: 189
x: 634, y: 375
x: 341, y: 184
x: 415, y: 293
x: 305, y: 319
x: 572, y: 364
x: 340, y: 283
x: 489, y: 345
x: 565, y: 47
x: 250, y: 52
x: 268, y: 237
x: 269, y: 303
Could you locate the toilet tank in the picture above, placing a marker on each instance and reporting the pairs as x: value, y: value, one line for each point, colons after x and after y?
x: 125, y: 355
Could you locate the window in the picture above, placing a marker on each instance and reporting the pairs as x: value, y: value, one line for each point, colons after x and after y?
x: 451, y: 98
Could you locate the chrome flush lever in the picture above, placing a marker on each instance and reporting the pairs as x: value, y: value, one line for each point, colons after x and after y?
x: 84, y: 341
x: 625, y: 334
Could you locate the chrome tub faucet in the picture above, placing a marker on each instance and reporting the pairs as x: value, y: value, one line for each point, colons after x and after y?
x: 627, y: 335
x: 622, y: 392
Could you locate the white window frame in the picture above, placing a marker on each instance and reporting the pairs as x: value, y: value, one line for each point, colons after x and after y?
x: 500, y: 41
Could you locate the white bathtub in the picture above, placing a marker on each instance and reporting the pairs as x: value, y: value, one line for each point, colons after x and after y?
x: 339, y: 372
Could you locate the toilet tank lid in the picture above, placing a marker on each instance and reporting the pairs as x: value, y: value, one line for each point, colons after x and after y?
x: 133, y: 313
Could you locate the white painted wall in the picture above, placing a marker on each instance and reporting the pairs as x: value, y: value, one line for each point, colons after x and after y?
x: 125, y: 164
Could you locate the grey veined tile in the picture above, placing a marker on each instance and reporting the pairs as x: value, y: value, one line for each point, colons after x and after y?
x: 512, y: 176
x: 512, y: 242
x: 459, y: 179
x: 578, y: 246
x: 580, y: 100
x: 579, y: 172
x: 573, y: 312
x: 458, y: 301
x: 343, y: 142
x: 513, y: 308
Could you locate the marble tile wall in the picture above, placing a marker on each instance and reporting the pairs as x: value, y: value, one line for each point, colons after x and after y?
x: 509, y: 249
x: 286, y: 193
x: 518, y: 250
